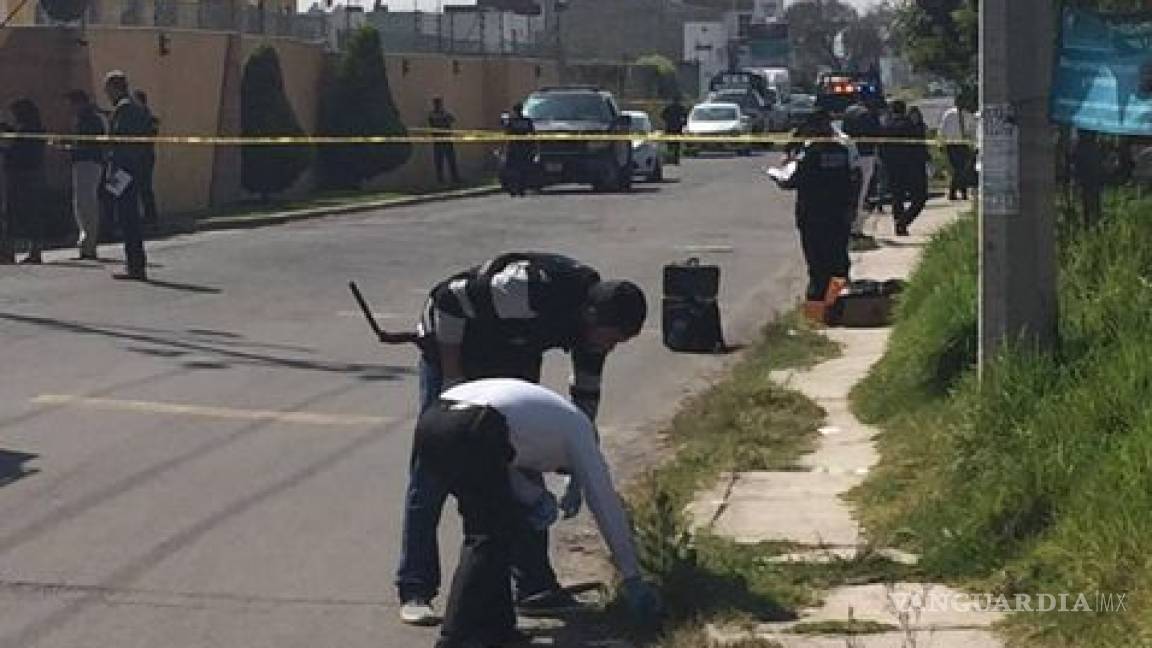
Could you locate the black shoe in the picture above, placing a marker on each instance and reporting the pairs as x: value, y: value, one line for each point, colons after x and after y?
x: 131, y: 275
x: 32, y: 259
x: 549, y: 603
x: 901, y: 230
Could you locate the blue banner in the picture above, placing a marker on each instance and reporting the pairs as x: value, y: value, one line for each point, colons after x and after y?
x: 1102, y: 79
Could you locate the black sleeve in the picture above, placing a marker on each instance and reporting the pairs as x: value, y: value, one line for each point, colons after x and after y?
x: 587, y: 375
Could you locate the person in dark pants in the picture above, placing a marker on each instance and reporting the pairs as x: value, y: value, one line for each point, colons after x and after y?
x: 675, y: 117
x: 25, y: 183
x: 149, y: 215
x: 497, y: 320
x: 825, y: 203
x: 519, y: 156
x: 126, y: 162
x: 443, y: 153
x: 906, y: 167
x: 477, y: 438
x: 956, y: 130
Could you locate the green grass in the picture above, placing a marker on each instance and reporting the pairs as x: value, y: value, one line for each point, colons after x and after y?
x: 744, y: 422
x: 1038, y: 479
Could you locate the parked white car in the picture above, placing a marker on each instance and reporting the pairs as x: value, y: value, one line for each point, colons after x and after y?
x: 718, y: 119
x: 647, y: 155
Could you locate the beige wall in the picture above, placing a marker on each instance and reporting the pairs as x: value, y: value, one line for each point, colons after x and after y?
x: 195, y: 90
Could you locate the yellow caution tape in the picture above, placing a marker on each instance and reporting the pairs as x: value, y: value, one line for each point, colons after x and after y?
x: 462, y: 137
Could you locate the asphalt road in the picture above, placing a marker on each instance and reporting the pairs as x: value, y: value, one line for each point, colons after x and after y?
x: 218, y: 458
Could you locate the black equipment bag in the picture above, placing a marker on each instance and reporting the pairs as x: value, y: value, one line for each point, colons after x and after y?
x: 865, y: 303
x: 690, y: 280
x: 691, y: 316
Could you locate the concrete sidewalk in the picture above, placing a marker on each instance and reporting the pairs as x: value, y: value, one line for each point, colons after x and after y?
x: 806, y: 506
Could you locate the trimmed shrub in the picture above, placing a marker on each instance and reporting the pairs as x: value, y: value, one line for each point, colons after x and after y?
x: 265, y: 112
x: 358, y: 102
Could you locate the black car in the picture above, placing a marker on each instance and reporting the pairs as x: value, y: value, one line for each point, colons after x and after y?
x: 583, y: 111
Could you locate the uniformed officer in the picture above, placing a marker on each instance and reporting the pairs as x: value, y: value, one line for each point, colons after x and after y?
x: 519, y: 155
x: 497, y: 320
x: 443, y: 153
x: 825, y: 203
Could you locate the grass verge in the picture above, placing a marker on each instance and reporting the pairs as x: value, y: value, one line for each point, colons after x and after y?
x: 1037, y: 478
x: 745, y: 422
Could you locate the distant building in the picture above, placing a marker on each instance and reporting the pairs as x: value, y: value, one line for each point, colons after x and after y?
x: 706, y: 44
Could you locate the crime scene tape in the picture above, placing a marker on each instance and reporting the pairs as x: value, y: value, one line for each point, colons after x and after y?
x: 456, y: 137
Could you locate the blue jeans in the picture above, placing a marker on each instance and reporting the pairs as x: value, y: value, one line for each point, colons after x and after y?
x: 418, y: 574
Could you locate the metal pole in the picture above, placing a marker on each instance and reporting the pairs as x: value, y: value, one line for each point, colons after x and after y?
x: 1017, y: 184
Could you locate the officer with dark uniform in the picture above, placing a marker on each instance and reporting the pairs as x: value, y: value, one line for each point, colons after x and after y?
x: 127, y: 161
x: 497, y: 320
x: 675, y: 117
x: 519, y: 155
x: 824, y: 203
x: 443, y: 153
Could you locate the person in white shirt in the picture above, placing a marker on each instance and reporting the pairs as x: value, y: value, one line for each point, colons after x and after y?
x: 956, y: 128
x: 478, y: 437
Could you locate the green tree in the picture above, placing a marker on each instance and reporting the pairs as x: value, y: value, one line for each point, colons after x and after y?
x: 870, y: 38
x: 357, y: 103
x: 942, y: 37
x: 667, y: 79
x: 266, y: 112
x: 813, y: 28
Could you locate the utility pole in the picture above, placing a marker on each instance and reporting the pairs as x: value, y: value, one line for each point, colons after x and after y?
x: 1017, y: 183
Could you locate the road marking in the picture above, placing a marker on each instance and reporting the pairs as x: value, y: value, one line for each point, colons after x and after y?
x: 701, y: 249
x: 348, y: 313
x: 176, y: 409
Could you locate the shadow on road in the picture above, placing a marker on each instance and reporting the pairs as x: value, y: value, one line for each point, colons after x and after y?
x: 12, y: 466
x: 170, y: 345
x: 193, y: 288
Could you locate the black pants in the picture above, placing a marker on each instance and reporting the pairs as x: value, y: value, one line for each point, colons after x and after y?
x: 445, y: 155
x: 908, y: 184
x: 147, y: 193
x: 825, y: 244
x: 127, y: 206
x: 468, y: 447
x: 959, y: 159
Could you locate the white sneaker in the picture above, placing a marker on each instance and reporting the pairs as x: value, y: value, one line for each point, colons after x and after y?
x: 418, y: 612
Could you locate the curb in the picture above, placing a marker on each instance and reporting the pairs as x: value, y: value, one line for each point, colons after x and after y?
x: 279, y: 218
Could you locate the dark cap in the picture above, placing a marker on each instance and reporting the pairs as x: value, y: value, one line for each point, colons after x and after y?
x: 620, y: 304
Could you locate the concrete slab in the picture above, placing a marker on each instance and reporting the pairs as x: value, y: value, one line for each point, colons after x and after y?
x: 834, y: 554
x: 802, y: 507
x: 920, y: 639
x: 927, y: 606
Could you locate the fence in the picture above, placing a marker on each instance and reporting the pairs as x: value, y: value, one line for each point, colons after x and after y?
x: 483, y: 33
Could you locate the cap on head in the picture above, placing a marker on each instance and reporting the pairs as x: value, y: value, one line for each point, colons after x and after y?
x: 619, y: 304
x: 116, y: 76
x: 899, y: 108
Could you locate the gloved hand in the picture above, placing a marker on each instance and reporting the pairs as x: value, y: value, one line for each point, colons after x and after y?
x: 572, y: 500
x: 544, y: 512
x: 643, y: 601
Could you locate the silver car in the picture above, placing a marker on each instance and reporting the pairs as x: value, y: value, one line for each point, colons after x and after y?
x: 647, y: 155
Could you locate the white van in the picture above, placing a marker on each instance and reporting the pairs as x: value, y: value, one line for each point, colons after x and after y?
x: 775, y: 77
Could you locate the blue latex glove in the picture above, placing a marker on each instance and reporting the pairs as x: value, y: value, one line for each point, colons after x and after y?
x: 544, y: 512
x: 643, y: 601
x: 572, y: 500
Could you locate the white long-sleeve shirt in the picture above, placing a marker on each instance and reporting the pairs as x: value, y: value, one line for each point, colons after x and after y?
x: 952, y: 127
x: 550, y: 434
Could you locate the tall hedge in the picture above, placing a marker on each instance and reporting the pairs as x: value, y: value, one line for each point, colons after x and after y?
x: 358, y: 102
x: 266, y: 112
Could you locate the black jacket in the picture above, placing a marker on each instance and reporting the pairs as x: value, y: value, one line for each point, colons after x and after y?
x: 823, y: 183
x: 88, y: 122
x: 132, y: 119
x: 507, y: 312
x: 905, y: 155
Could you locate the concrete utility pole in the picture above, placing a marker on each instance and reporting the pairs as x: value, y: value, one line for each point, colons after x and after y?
x: 1017, y: 183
